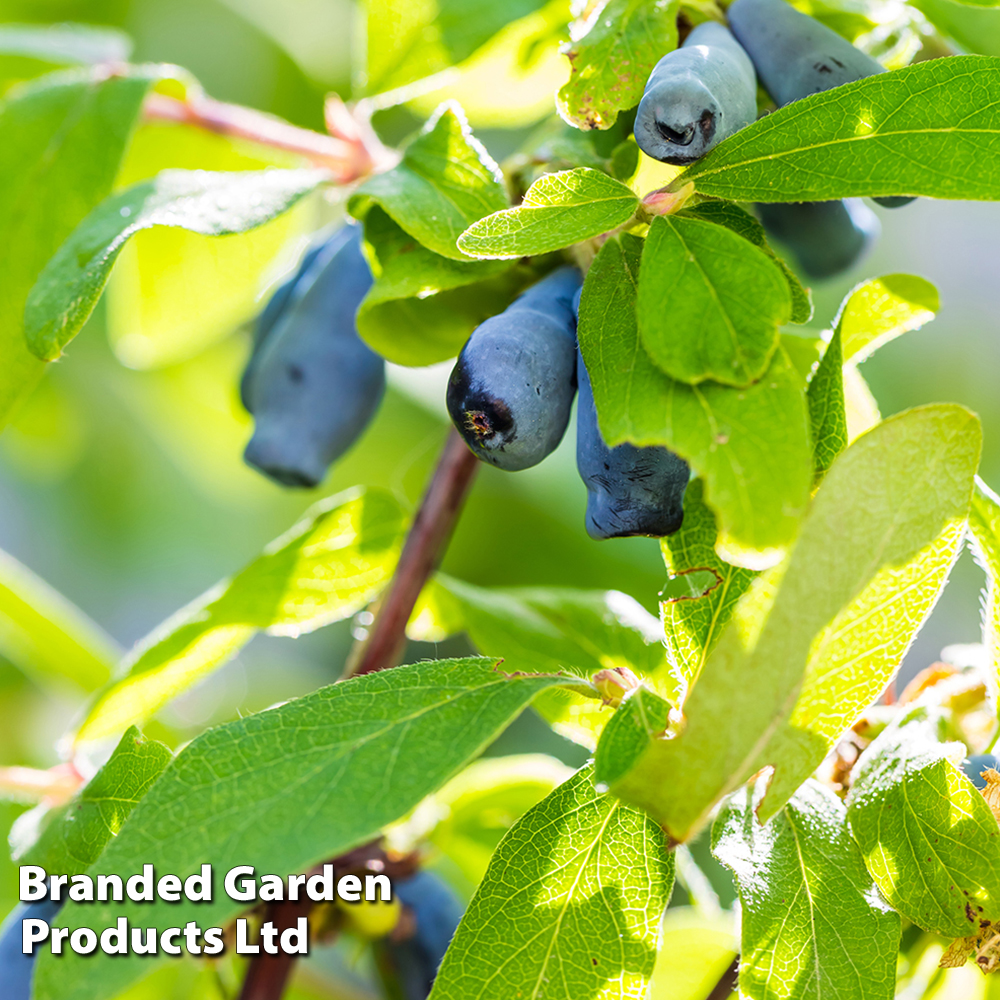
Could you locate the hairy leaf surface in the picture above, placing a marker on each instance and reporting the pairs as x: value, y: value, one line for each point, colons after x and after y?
x: 570, y: 905
x: 984, y: 527
x: 813, y: 923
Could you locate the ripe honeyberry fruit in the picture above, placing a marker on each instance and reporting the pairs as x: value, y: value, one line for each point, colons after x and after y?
x: 511, y: 390
x: 312, y: 384
x: 696, y: 96
x: 630, y: 490
x: 827, y: 237
x: 16, y: 968
x: 795, y: 55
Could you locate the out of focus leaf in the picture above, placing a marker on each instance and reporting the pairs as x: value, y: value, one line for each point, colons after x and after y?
x: 750, y: 446
x: 927, y: 835
x: 735, y: 298
x: 611, y: 56
x: 558, y: 210
x: 422, y: 306
x: 871, y: 137
x: 29, y: 50
x: 984, y: 527
x: 47, y: 635
x: 813, y: 924
x: 75, y: 837
x: 61, y: 143
x: 695, y: 952
x: 344, y: 762
x: 573, y: 895
x: 873, y: 554
x: 323, y: 569
x: 213, y: 204
x: 174, y: 292
x: 693, y: 623
x: 445, y: 182
x: 541, y: 629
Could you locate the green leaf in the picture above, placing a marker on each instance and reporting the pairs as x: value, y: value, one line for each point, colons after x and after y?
x: 725, y: 213
x: 213, y: 204
x: 323, y: 569
x: 173, y: 292
x: 930, y: 129
x: 976, y: 29
x: 927, y: 835
x: 709, y: 302
x: 445, y: 182
x: 76, y: 836
x: 48, y: 636
x: 693, y: 623
x: 827, y: 407
x: 287, y: 788
x: 61, y: 143
x: 642, y: 717
x: 882, y: 309
x: 548, y: 630
x: 570, y: 905
x: 873, y: 554
x: 751, y: 446
x: 423, y: 307
x: 28, y: 50
x: 984, y: 527
x: 558, y: 210
x: 813, y: 924
x: 611, y: 63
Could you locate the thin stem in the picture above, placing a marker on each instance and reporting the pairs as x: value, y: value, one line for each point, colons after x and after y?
x: 425, y: 545
x: 348, y: 158
x: 727, y: 981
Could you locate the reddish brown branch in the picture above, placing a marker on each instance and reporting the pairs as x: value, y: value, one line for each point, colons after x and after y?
x: 727, y: 981
x: 268, y: 974
x: 347, y: 157
x: 425, y: 545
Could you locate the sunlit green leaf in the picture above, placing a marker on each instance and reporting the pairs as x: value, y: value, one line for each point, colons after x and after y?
x: 642, y: 717
x: 984, y: 527
x: 751, y: 446
x: 213, y: 204
x: 550, y: 629
x: 445, y: 182
x: 930, y: 129
x: 61, y: 143
x: 709, y: 302
x: 287, y: 788
x: 813, y: 924
x: 927, y: 835
x: 422, y: 306
x: 47, y: 635
x: 611, y: 62
x: 75, y: 837
x: 827, y: 407
x: 558, y: 210
x: 873, y: 554
x: 324, y: 569
x: 573, y: 898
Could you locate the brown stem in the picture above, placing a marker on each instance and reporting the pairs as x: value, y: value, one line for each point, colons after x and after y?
x: 727, y: 981
x: 348, y: 157
x: 425, y: 545
x: 268, y: 974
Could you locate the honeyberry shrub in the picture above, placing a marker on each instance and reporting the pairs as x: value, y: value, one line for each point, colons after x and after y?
x: 816, y: 536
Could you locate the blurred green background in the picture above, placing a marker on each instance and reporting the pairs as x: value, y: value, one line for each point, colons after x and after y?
x: 123, y: 487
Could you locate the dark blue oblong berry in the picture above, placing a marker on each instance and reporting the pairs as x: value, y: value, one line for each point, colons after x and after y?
x: 827, y: 237
x: 894, y: 201
x: 512, y: 388
x: 16, y: 968
x: 794, y: 54
x: 313, y: 385
x: 696, y: 96
x: 630, y: 490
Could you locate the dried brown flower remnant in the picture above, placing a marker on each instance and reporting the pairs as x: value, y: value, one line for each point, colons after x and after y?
x: 992, y: 791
